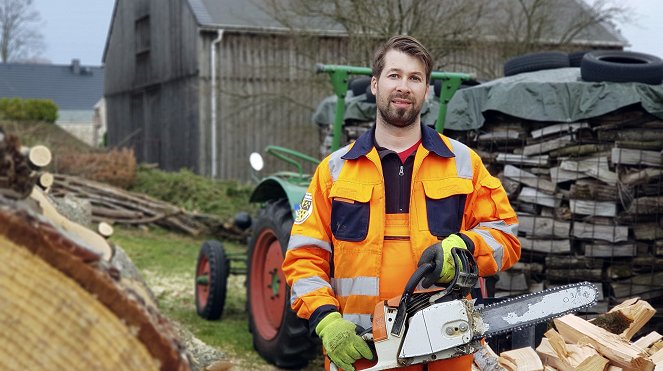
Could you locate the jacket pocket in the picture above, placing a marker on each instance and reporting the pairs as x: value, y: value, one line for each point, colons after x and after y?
x: 350, y: 214
x: 445, y: 204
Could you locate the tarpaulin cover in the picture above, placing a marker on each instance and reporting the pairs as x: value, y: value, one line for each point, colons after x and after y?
x: 557, y: 95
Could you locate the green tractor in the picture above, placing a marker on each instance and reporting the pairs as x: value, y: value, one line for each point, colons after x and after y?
x: 279, y: 336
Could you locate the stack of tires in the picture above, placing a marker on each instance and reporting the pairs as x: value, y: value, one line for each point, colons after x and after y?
x: 595, y: 65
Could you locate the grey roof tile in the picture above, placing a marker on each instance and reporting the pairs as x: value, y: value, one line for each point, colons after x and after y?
x: 68, y: 90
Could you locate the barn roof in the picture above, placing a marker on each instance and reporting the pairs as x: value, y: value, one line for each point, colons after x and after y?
x: 71, y: 87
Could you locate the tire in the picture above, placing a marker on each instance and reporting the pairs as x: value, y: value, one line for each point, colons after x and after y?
x: 535, y: 62
x: 279, y: 336
x: 212, y: 270
x: 621, y: 66
x: 576, y: 57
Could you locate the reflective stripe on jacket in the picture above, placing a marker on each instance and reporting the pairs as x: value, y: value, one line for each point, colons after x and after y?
x: 334, y: 256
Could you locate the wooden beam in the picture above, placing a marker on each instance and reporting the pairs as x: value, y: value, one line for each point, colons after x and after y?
x: 606, y: 250
x: 594, y: 208
x: 558, y: 128
x: 595, y: 167
x: 516, y: 159
x: 549, y: 145
x: 534, y: 196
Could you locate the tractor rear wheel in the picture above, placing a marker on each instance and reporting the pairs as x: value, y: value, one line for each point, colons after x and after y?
x: 279, y: 335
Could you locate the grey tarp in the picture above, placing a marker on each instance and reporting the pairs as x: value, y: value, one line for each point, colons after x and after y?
x: 556, y: 95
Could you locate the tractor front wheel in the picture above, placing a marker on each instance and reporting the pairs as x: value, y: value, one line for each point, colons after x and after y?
x: 279, y: 335
x: 212, y: 269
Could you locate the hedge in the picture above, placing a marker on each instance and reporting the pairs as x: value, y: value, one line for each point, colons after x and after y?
x: 28, y: 109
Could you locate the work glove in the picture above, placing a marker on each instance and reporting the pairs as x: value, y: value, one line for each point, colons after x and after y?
x: 440, y: 255
x: 341, y: 342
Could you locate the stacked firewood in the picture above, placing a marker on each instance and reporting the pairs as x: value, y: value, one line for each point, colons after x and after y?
x: 589, y: 197
x: 604, y: 343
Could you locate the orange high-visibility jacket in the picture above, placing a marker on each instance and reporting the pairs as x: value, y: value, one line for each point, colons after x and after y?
x: 335, y: 253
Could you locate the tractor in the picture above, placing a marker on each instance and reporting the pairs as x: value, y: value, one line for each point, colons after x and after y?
x: 279, y: 336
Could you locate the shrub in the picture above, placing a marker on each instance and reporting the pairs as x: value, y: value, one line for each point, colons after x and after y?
x: 116, y: 167
x: 28, y: 109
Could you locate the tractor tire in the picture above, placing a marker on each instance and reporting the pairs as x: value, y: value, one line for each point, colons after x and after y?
x: 621, y: 66
x: 535, y: 62
x: 212, y: 270
x: 279, y: 336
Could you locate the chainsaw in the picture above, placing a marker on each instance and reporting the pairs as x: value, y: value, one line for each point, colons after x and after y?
x: 431, y: 325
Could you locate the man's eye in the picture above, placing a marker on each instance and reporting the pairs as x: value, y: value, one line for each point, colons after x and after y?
x: 393, y: 76
x: 415, y: 78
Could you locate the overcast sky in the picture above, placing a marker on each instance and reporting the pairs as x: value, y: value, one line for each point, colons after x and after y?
x: 78, y: 28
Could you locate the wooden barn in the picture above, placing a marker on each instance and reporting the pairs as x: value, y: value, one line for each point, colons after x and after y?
x: 200, y: 84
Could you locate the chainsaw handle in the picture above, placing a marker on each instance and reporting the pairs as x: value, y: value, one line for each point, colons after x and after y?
x: 465, y: 277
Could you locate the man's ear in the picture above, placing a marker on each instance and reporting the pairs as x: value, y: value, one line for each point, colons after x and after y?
x: 374, y: 85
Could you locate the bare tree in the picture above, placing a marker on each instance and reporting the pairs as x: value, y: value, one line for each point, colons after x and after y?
x: 442, y: 25
x: 20, y: 38
x: 531, y: 25
x: 454, y: 29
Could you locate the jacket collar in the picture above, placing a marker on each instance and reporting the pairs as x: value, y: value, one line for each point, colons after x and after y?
x: 430, y: 139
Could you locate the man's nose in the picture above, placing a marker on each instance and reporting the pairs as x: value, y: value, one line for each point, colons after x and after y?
x: 403, y: 85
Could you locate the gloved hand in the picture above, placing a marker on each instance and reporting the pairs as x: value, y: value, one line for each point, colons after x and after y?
x: 341, y: 342
x: 440, y: 254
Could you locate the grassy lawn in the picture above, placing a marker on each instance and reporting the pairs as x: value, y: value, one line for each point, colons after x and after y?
x: 167, y: 261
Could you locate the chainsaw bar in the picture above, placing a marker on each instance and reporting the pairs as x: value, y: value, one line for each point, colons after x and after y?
x: 530, y: 309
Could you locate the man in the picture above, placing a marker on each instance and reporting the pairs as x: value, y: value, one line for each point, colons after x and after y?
x: 399, y: 196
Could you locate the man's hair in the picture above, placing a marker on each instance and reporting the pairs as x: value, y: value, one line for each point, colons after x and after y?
x: 406, y: 44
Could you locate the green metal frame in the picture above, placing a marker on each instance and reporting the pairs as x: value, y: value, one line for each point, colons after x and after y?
x: 292, y: 185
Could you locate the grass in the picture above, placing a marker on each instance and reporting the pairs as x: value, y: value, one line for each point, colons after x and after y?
x: 167, y: 261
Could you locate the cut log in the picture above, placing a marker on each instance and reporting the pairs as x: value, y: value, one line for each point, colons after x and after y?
x: 604, y: 250
x: 593, y: 190
x: 608, y: 233
x: 648, y: 231
x: 516, y: 159
x: 638, y: 311
x: 534, y: 196
x: 646, y: 286
x: 619, y: 351
x: 486, y: 359
x: 646, y: 205
x: 70, y: 311
x: 524, y: 359
x: 594, y: 208
x: 558, y: 128
x: 546, y: 245
x: 567, y: 275
x: 648, y: 340
x: 40, y: 156
x: 549, y: 145
x: 641, y: 177
x: 541, y: 226
x: 93, y: 240
x: 596, y: 167
x: 627, y: 156
x: 580, y: 150
x: 529, y: 179
x: 559, y: 175
x: 512, y: 281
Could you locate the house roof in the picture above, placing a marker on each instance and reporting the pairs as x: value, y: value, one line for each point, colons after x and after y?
x: 71, y: 87
x: 248, y: 15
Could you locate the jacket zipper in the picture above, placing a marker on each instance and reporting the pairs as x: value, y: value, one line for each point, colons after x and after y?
x: 401, y: 174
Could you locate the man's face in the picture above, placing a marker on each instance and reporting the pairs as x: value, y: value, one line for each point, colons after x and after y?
x: 401, y: 89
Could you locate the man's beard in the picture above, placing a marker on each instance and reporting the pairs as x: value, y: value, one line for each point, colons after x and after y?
x: 399, y: 117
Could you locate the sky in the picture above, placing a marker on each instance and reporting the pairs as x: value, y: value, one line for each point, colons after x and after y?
x: 77, y: 29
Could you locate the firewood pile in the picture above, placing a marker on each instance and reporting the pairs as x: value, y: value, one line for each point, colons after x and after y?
x: 604, y: 343
x: 67, y: 302
x: 589, y: 197
x: 113, y: 205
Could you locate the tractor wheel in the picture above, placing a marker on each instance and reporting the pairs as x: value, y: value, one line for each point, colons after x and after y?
x: 212, y: 269
x: 279, y: 336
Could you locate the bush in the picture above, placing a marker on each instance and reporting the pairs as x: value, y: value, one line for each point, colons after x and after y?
x: 28, y: 109
x: 194, y: 192
x: 116, y: 167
